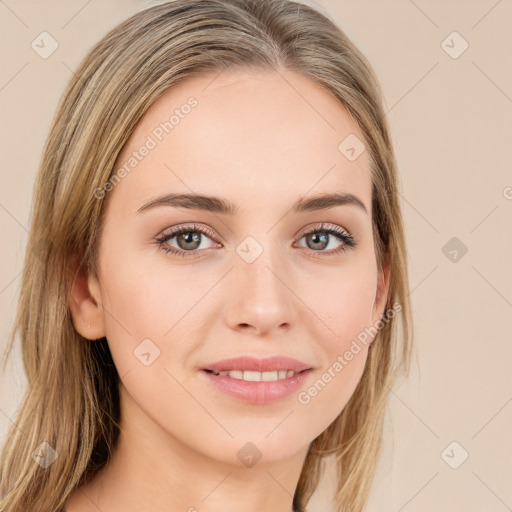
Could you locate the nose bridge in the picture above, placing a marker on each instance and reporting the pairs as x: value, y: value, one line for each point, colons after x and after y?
x: 259, y: 294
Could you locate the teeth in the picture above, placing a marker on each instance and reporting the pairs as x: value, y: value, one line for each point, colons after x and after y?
x: 252, y: 376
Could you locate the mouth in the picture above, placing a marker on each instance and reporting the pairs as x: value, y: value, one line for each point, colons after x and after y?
x: 256, y: 380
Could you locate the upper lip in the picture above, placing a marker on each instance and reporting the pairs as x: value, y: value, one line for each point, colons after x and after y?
x: 250, y: 363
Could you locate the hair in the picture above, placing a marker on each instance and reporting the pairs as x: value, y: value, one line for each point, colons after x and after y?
x: 72, y: 400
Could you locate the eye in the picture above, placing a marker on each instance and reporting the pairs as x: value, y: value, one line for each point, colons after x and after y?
x: 320, y: 237
x: 188, y: 238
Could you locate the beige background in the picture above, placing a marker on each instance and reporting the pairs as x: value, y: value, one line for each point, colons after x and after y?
x: 451, y: 120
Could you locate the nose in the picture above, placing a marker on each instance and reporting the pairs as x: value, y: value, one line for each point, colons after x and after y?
x: 260, y: 298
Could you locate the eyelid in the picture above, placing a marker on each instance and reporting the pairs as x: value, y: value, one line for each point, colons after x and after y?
x: 324, y: 226
x: 208, y: 231
x: 173, y: 230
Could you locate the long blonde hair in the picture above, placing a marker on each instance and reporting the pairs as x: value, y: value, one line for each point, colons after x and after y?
x: 72, y: 400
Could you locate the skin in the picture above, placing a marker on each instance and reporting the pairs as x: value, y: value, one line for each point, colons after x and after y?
x: 262, y: 140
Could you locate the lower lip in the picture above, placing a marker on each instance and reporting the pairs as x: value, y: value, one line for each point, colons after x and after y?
x: 259, y: 392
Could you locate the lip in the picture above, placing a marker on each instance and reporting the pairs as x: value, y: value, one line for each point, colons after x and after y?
x: 268, y: 364
x: 258, y: 392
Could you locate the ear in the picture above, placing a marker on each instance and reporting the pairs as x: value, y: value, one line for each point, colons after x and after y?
x: 85, y: 305
x: 382, y: 291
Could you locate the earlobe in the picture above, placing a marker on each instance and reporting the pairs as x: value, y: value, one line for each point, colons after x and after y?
x: 85, y: 305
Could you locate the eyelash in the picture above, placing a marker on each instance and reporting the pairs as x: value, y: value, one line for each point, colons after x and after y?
x: 340, y: 233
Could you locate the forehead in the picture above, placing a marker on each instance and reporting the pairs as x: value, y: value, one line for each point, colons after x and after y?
x: 248, y: 134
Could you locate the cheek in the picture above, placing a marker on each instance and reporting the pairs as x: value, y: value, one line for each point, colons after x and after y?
x: 148, y: 319
x: 343, y: 301
x: 141, y: 304
x: 344, y: 305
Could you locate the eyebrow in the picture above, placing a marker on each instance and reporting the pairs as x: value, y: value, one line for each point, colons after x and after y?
x: 223, y: 206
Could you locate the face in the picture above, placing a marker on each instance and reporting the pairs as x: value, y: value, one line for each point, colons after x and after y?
x: 265, y: 276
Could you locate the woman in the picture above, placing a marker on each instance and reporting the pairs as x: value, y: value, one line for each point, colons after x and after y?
x: 215, y: 293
